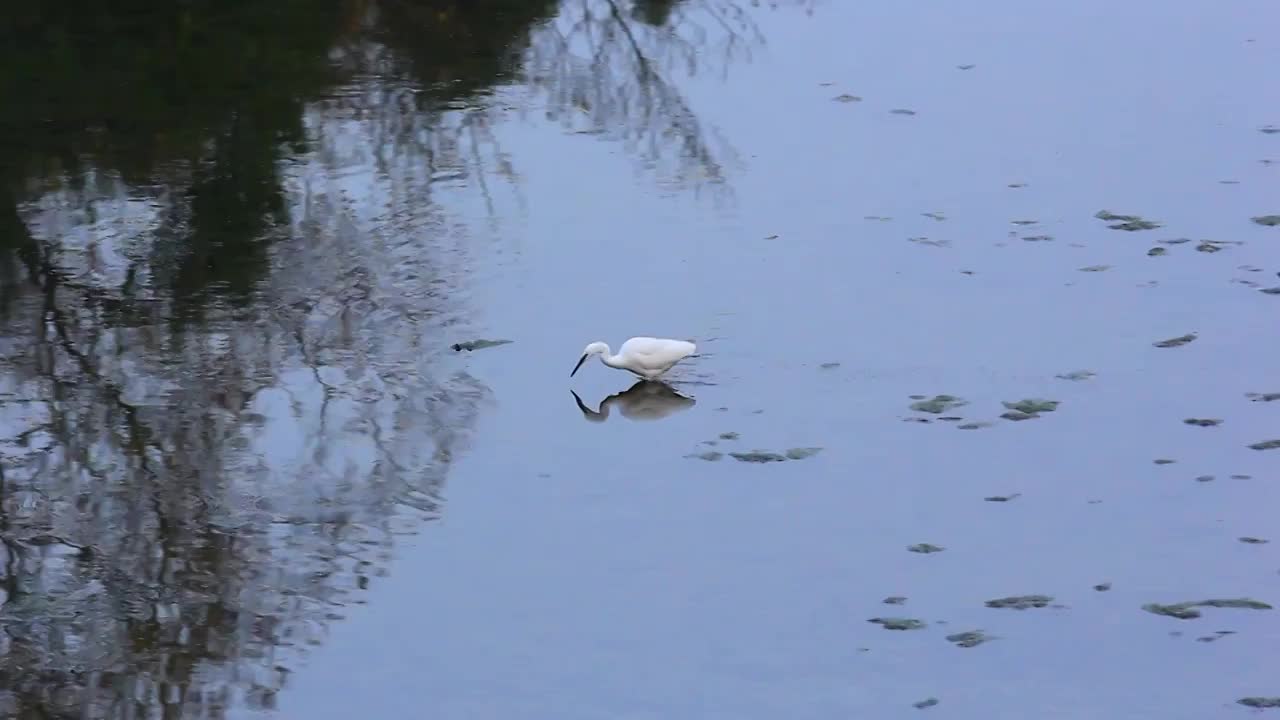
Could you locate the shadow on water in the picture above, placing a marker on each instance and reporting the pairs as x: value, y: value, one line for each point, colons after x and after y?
x: 646, y: 400
x: 226, y: 259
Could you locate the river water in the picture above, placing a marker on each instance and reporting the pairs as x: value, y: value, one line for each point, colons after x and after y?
x: 246, y: 473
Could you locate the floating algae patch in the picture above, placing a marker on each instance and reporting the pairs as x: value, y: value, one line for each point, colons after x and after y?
x: 897, y: 623
x: 1270, y: 290
x: 709, y: 456
x: 1203, y: 422
x: 938, y: 404
x: 926, y: 703
x: 1095, y: 268
x: 757, y: 456
x: 935, y: 216
x: 966, y: 66
x: 1263, y: 397
x: 1002, y: 498
x: 1135, y: 225
x: 1268, y: 220
x: 1204, y: 478
x: 1109, y: 216
x: 1188, y: 610
x: 1254, y: 541
x: 1028, y: 409
x: 1024, y: 222
x: 925, y: 548
x: 1128, y: 223
x: 846, y: 98
x: 1209, y: 246
x: 972, y: 638
x: 951, y: 418
x: 1157, y: 252
x: 1266, y: 445
x: 728, y: 436
x: 479, y: 344
x: 1179, y: 611
x: 1032, y: 406
x: 932, y: 243
x: 973, y: 425
x: 1038, y: 238
x: 902, y: 111
x: 894, y: 600
x: 829, y: 365
x: 1020, y: 602
x: 1216, y: 636
x: 1237, y: 603
x: 1260, y: 703
x: 1164, y: 461
x: 1176, y: 341
x: 1102, y: 587
x: 1076, y: 375
x: 802, y: 452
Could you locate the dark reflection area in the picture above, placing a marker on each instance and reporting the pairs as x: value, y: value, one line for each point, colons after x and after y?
x: 228, y: 257
x: 646, y: 400
x: 609, y: 68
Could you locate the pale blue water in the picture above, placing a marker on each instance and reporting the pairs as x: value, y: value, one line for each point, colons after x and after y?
x: 440, y: 534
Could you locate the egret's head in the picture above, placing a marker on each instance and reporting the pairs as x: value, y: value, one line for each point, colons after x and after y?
x: 595, y: 348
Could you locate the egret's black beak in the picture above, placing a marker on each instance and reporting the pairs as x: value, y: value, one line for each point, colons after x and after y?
x: 580, y: 361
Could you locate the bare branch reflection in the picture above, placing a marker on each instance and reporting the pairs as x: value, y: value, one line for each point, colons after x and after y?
x: 228, y: 262
x: 607, y: 70
x: 178, y: 496
x: 211, y: 431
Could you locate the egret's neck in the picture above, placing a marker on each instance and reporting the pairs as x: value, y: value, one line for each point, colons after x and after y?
x: 608, y: 358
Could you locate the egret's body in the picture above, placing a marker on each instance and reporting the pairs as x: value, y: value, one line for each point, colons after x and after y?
x: 645, y: 356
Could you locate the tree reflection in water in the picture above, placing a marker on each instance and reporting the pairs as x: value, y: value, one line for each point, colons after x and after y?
x: 227, y: 260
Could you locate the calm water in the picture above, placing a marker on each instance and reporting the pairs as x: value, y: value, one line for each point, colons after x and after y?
x: 245, y: 474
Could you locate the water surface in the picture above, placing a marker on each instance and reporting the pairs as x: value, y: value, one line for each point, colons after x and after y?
x: 245, y: 472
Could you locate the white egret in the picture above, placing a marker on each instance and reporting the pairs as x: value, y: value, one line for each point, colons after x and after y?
x: 645, y: 356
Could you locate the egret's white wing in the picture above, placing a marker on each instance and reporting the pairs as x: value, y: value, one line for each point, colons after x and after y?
x: 652, y: 349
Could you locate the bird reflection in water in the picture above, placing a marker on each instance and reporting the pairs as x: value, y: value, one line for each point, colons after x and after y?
x: 646, y: 400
